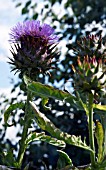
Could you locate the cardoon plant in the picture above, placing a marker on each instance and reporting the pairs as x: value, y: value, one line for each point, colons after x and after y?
x: 90, y: 85
x: 33, y: 50
x: 33, y: 47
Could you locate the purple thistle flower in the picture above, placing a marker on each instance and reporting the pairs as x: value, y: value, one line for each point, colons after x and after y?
x: 34, y: 47
x: 34, y: 29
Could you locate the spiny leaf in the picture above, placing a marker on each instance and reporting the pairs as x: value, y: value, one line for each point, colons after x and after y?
x: 41, y: 136
x: 47, y: 91
x: 99, y: 107
x: 11, y: 108
x: 47, y: 125
x: 63, y: 160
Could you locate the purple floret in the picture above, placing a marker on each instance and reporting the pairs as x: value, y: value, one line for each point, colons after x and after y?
x: 34, y: 47
x: 34, y: 29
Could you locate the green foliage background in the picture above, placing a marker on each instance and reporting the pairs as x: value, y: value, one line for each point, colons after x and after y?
x: 71, y: 20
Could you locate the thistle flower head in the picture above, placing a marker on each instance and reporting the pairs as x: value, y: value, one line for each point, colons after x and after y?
x: 91, y: 45
x: 89, y: 76
x: 90, y: 72
x: 34, y: 47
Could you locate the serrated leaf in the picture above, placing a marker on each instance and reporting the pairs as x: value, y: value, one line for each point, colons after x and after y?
x: 47, y: 91
x: 11, y: 108
x: 34, y: 137
x: 42, y: 137
x: 47, y: 125
x: 99, y: 107
x: 64, y: 160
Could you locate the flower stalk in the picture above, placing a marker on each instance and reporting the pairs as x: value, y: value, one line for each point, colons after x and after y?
x: 27, y: 122
x: 90, y: 126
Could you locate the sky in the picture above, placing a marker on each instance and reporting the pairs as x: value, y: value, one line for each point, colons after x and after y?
x: 9, y: 16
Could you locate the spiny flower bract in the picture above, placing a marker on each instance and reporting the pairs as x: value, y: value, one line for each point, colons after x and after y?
x: 90, y: 72
x: 91, y: 45
x: 34, y: 47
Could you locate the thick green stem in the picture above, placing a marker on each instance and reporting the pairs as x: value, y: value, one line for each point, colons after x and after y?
x: 104, y: 126
x: 25, y: 131
x: 103, y: 118
x: 105, y: 139
x: 91, y: 134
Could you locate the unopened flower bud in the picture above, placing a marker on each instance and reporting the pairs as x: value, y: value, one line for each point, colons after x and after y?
x: 90, y: 73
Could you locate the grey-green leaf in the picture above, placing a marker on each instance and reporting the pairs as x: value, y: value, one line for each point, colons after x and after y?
x: 47, y: 125
x: 42, y: 137
x: 11, y: 108
x: 99, y: 107
x: 64, y: 160
x: 47, y: 91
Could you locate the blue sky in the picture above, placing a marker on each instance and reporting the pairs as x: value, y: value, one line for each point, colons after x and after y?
x: 9, y: 16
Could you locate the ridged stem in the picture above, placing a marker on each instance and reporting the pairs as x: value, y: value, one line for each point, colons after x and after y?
x: 25, y: 132
x: 103, y: 118
x: 90, y: 125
